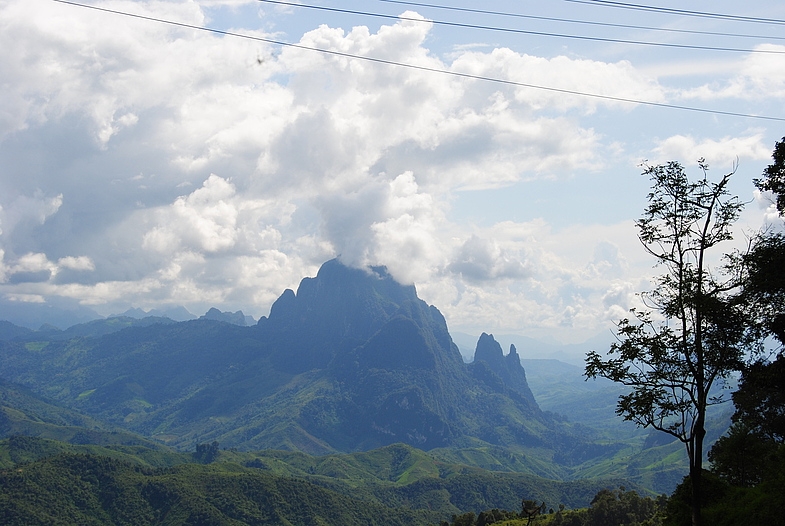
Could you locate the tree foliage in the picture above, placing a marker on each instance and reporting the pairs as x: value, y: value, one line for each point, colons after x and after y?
x: 746, y: 456
x: 742, y: 456
x: 763, y: 284
x: 617, y: 507
x: 760, y: 399
x: 773, y: 178
x: 725, y: 504
x: 691, y: 333
x: 206, y: 453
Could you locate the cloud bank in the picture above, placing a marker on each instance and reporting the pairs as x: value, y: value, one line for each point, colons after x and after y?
x: 147, y: 164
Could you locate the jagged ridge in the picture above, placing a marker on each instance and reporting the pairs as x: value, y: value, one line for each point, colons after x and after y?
x: 352, y: 361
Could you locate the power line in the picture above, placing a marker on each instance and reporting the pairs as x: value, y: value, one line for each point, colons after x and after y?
x: 584, y: 22
x: 681, y: 12
x: 525, y: 31
x: 426, y: 68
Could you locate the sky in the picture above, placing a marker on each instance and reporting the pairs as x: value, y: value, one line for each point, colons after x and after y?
x: 492, y: 158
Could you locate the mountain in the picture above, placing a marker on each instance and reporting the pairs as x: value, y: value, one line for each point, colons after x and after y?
x: 90, y: 329
x: 351, y: 361
x: 388, y: 370
x: 9, y: 331
x: 57, y: 312
x: 235, y: 318
x: 507, y: 367
x: 25, y: 414
x: 533, y: 349
x: 178, y: 313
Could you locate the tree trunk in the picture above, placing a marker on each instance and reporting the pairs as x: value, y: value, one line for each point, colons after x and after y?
x: 696, y: 471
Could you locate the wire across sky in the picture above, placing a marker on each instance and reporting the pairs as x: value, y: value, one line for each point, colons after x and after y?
x: 524, y: 31
x: 439, y: 70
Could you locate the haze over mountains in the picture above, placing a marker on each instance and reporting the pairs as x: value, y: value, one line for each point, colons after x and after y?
x: 351, y: 361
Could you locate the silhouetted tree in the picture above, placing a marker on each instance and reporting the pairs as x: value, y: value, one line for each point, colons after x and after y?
x: 774, y: 176
x: 762, y: 280
x: 691, y: 333
x: 760, y: 399
x: 741, y: 456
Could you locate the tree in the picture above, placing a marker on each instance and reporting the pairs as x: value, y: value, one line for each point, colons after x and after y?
x: 206, y: 453
x: 751, y: 454
x: 530, y: 510
x: 742, y: 456
x: 774, y: 176
x: 621, y: 508
x: 763, y: 279
x: 747, y: 454
x: 760, y: 399
x: 763, y: 285
x: 690, y: 333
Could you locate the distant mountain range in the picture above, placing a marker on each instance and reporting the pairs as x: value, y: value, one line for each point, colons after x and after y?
x: 351, y: 361
x: 60, y: 314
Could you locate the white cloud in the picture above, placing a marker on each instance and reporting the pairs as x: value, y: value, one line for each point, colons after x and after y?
x: 482, y: 259
x: 722, y: 153
x: 158, y: 165
x: 389, y: 222
x: 204, y: 220
x: 759, y: 75
x: 35, y: 210
x: 549, y: 80
x: 31, y: 268
x: 76, y: 263
x: 767, y: 203
x: 26, y: 298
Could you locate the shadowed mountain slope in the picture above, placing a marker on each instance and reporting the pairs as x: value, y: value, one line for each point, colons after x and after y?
x: 508, y: 367
x: 352, y: 361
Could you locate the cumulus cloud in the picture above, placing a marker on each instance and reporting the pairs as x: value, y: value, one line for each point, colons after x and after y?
x: 607, y: 261
x: 767, y: 203
x: 205, y: 220
x: 482, y: 259
x: 76, y: 263
x: 723, y: 152
x: 389, y: 222
x: 759, y: 75
x: 546, y: 80
x: 149, y: 164
x: 30, y: 268
x: 26, y: 209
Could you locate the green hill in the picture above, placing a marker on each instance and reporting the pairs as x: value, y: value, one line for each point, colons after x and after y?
x: 88, y: 484
x: 91, y: 489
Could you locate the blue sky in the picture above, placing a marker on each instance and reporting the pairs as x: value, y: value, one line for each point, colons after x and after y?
x: 149, y: 165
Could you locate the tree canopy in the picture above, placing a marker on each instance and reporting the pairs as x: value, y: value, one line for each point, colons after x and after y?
x: 773, y: 178
x: 690, y: 333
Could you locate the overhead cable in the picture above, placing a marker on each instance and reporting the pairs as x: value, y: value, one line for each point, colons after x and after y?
x: 583, y: 22
x: 426, y: 68
x: 524, y: 31
x: 681, y: 12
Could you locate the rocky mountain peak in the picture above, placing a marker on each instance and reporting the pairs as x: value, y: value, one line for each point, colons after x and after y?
x: 235, y: 318
x: 508, y: 368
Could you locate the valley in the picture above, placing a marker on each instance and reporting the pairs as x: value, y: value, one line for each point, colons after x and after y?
x: 352, y: 385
